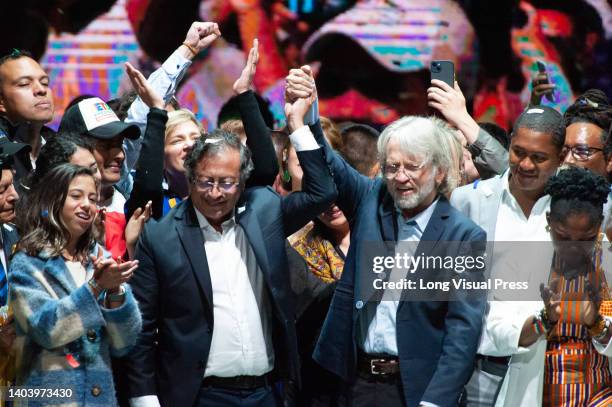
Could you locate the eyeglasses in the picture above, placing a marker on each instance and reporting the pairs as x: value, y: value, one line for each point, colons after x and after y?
x: 390, y: 171
x: 580, y: 152
x: 209, y: 184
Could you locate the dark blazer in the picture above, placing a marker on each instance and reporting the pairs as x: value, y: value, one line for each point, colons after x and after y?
x: 436, y: 340
x: 174, y: 291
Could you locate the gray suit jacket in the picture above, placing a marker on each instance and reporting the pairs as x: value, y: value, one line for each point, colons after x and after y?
x: 480, y: 202
x: 490, y: 157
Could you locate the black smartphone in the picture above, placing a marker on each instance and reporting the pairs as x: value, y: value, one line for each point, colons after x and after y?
x: 444, y: 71
x: 542, y: 69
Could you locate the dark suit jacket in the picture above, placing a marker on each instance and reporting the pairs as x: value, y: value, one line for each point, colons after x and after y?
x: 174, y: 291
x: 436, y: 340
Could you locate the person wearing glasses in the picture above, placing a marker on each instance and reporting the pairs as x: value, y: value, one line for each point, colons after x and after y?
x: 588, y: 123
x: 390, y: 352
x: 213, y: 282
x: 512, y: 207
x: 560, y: 345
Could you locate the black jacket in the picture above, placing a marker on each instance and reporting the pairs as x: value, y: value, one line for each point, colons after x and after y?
x: 175, y: 294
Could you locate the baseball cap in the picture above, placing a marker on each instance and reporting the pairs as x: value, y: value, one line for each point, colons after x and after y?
x: 94, y: 117
x: 8, y: 147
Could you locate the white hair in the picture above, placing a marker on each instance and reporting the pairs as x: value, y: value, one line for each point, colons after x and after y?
x: 427, y: 137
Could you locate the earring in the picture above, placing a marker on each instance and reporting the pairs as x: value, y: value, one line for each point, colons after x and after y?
x: 548, y: 228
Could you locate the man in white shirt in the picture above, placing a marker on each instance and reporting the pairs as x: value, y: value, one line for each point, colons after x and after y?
x: 213, y: 284
x: 513, y: 207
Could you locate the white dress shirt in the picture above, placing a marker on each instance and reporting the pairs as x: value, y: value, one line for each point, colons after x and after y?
x: 241, y: 341
x: 379, y: 336
x: 513, y: 226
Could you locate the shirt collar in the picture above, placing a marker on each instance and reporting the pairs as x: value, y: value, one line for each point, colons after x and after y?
x: 541, y: 205
x: 421, y: 219
x: 204, y: 224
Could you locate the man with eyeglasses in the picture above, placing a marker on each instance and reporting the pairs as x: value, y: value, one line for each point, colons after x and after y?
x: 213, y: 281
x: 588, y: 124
x: 390, y: 350
x: 512, y: 207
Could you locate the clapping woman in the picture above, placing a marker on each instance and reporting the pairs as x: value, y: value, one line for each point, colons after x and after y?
x: 72, y: 306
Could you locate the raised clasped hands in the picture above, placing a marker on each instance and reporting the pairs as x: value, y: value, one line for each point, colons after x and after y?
x: 300, y: 94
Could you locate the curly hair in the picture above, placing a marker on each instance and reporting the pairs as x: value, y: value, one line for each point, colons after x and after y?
x: 40, y: 223
x: 591, y: 107
x: 577, y: 190
x: 215, y: 143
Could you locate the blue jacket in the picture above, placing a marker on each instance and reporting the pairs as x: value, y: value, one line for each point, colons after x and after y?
x: 436, y: 340
x: 54, y: 318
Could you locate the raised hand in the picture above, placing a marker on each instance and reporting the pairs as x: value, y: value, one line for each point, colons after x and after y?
x: 448, y: 101
x: 589, y: 309
x: 135, y: 225
x: 540, y: 87
x: 300, y: 84
x: 201, y: 35
x: 109, y: 274
x: 245, y: 81
x: 143, y: 88
x: 552, y: 300
x: 99, y: 230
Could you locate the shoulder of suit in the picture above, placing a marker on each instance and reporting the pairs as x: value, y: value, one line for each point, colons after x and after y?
x: 260, y: 190
x: 485, y: 187
x: 462, y: 220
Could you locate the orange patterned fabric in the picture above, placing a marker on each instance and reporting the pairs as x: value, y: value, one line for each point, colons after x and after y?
x: 575, y: 373
x: 321, y: 256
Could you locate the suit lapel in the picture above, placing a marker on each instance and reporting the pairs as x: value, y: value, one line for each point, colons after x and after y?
x: 435, y: 227
x: 190, y: 235
x: 250, y: 224
x: 387, y: 218
x: 489, y: 207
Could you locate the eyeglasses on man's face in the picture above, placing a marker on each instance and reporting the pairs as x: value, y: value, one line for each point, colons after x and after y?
x: 391, y: 170
x: 580, y: 152
x: 224, y: 185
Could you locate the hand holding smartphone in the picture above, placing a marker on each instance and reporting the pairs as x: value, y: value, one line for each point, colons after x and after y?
x: 541, y: 85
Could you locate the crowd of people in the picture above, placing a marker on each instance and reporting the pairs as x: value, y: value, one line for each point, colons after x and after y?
x: 145, y: 262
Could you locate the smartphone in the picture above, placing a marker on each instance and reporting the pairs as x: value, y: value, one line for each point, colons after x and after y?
x: 543, y: 69
x: 444, y: 71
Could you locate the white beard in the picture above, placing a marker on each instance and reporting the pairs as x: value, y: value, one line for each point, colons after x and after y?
x: 416, y: 198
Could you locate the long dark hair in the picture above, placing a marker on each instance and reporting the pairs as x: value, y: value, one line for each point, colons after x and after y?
x: 39, y: 222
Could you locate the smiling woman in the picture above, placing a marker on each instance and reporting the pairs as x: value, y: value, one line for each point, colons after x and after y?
x: 72, y: 307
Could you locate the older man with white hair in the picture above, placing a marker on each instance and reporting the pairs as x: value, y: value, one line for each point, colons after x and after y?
x: 407, y: 350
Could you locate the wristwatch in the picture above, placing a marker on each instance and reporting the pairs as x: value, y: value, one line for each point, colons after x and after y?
x: 95, y: 287
x: 115, y: 297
